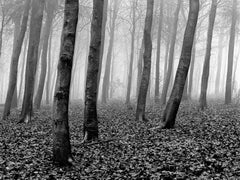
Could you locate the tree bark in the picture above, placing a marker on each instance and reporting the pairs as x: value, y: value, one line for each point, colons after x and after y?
x: 174, y: 101
x: 32, y: 59
x: 14, y: 61
x: 141, y: 103
x: 90, y: 127
x: 61, y: 138
x: 48, y: 25
x: 205, y: 74
x: 140, y: 67
x: 106, y: 78
x: 158, y: 53
x: 228, y: 91
x: 171, y: 54
x: 104, y: 22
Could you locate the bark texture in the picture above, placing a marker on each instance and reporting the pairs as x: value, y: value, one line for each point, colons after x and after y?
x: 228, y: 91
x: 206, y: 65
x: 90, y: 127
x: 171, y: 54
x: 32, y: 58
x: 191, y: 73
x: 141, y: 102
x: 174, y: 101
x: 61, y: 138
x: 12, y: 85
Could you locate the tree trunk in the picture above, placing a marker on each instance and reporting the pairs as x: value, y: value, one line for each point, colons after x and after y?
x: 48, y: 25
x: 174, y: 101
x: 49, y: 72
x: 61, y: 138
x: 228, y: 91
x: 130, y: 70
x: 158, y: 53
x: 219, y: 65
x: 90, y: 127
x: 191, y: 73
x: 106, y: 78
x: 141, y: 103
x: 205, y: 74
x: 140, y: 67
x: 171, y: 54
x: 32, y: 59
x: 104, y: 22
x: 12, y: 86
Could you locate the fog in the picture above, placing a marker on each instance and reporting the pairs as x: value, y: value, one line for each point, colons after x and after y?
x: 121, y: 52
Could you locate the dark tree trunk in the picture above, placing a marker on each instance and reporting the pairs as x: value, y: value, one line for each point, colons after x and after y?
x: 228, y: 91
x: 182, y: 71
x: 47, y: 29
x: 219, y: 65
x: 104, y: 22
x: 191, y: 73
x: 205, y: 74
x: 106, y: 78
x: 140, y: 67
x: 130, y: 69
x: 32, y: 59
x: 171, y: 54
x: 61, y: 138
x: 14, y: 61
x: 157, y: 80
x: 90, y: 127
x: 141, y: 103
x: 49, y: 72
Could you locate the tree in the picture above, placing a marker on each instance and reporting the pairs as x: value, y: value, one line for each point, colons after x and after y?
x: 14, y: 61
x: 174, y: 101
x: 105, y: 13
x: 205, y: 74
x: 61, y: 138
x: 50, y: 9
x: 32, y: 58
x: 171, y: 54
x: 90, y: 127
x: 228, y: 91
x: 158, y: 53
x: 133, y: 31
x: 141, y: 103
x: 106, y: 78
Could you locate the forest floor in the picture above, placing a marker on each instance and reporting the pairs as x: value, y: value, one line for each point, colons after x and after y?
x: 204, y: 145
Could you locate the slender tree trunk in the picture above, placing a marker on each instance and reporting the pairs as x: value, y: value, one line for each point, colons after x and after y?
x: 205, y: 74
x: 174, y: 101
x: 106, y: 78
x: 140, y: 67
x: 191, y: 73
x: 219, y: 64
x: 61, y: 138
x: 1, y: 31
x: 228, y: 91
x: 157, y: 80
x: 171, y: 54
x: 90, y: 126
x: 130, y: 70
x: 48, y: 25
x: 49, y: 72
x: 104, y: 22
x: 14, y: 61
x: 166, y: 59
x: 32, y: 58
x: 141, y: 103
